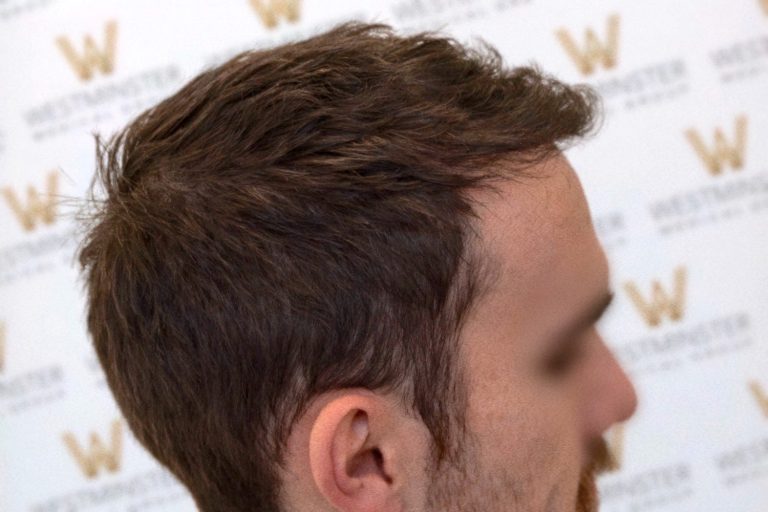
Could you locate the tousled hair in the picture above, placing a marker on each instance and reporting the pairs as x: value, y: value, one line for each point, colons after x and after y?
x: 296, y: 220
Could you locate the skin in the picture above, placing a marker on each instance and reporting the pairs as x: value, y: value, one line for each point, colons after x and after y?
x: 535, y: 438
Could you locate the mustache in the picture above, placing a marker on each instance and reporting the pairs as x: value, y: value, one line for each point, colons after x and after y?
x: 602, y: 458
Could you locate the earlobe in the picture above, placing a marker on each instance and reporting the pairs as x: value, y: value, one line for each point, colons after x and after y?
x: 346, y: 463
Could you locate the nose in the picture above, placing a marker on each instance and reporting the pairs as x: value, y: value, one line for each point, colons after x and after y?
x: 627, y: 402
x: 614, y: 398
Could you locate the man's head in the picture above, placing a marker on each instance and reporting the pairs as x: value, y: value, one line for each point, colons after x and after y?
x: 335, y: 275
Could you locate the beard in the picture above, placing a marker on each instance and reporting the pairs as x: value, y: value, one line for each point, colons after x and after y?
x: 459, y: 489
x: 587, y: 499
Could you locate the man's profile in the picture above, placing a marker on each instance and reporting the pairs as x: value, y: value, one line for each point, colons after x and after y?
x: 356, y: 273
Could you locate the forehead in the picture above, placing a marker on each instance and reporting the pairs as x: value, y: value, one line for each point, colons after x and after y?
x: 539, y: 233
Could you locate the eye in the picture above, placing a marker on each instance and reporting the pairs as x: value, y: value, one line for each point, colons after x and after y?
x: 560, y: 363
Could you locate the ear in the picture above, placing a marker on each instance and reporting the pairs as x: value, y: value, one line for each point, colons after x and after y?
x: 350, y: 455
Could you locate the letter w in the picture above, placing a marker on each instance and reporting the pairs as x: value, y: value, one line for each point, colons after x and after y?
x: 36, y: 208
x: 92, y: 57
x: 270, y: 14
x: 715, y: 159
x: 661, y: 303
x: 760, y: 395
x: 594, y: 50
x: 97, y: 454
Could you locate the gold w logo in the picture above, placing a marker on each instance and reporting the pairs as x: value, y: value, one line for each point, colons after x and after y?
x: 92, y: 56
x: 616, y: 447
x: 661, y: 303
x: 760, y: 395
x: 594, y: 49
x: 270, y: 14
x: 97, y: 455
x: 723, y: 152
x: 36, y: 208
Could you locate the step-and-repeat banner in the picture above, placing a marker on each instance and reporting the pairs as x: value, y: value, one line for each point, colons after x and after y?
x: 677, y: 181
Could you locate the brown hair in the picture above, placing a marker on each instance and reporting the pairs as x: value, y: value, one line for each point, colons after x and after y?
x: 293, y: 221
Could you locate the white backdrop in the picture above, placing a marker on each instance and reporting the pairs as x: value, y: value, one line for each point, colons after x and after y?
x: 677, y: 182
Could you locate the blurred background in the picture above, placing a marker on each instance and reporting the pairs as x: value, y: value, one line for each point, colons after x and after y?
x: 677, y: 181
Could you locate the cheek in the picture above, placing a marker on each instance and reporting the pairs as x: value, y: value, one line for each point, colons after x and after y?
x: 554, y: 428
x: 525, y: 426
x: 529, y: 432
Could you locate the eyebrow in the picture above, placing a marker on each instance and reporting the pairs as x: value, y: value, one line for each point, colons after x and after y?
x: 590, y: 316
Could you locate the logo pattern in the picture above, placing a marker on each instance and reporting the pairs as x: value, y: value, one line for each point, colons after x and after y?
x: 91, y: 57
x: 640, y: 81
x: 723, y: 151
x: 90, y: 459
x: 271, y: 11
x: 38, y: 209
x: 661, y: 303
x: 594, y: 50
